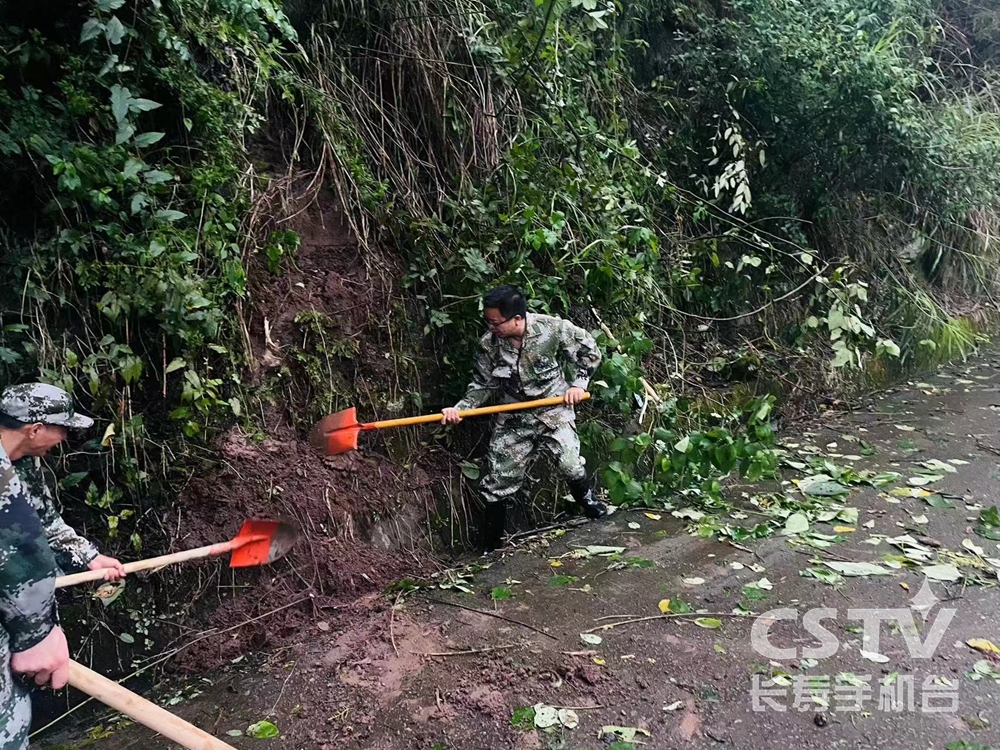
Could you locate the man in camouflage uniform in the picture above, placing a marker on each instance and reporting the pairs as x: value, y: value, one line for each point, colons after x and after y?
x: 33, y: 419
x: 73, y: 552
x: 521, y: 358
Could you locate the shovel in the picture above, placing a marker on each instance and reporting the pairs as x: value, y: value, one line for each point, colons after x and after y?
x: 141, y: 710
x: 338, y: 433
x: 258, y: 543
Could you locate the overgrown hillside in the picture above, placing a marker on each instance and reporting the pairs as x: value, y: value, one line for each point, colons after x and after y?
x: 221, y: 220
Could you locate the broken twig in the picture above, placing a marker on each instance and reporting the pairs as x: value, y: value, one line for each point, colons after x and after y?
x: 662, y: 617
x: 466, y: 651
x: 492, y: 614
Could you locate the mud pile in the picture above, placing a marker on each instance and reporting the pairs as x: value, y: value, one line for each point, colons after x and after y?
x: 364, y: 517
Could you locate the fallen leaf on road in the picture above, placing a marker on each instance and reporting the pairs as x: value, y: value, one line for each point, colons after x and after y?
x: 849, y: 678
x: 857, y: 569
x: 936, y: 465
x: 910, y: 492
x: 674, y: 706
x: 821, y: 485
x: 555, y: 563
x: 826, y: 576
x: 765, y: 584
x: 694, y: 515
x: 848, y: 515
x: 625, y: 734
x: 756, y: 567
x: 883, y: 478
x: 989, y: 524
x: 568, y: 718
x: 984, y: 645
x: 936, y: 501
x: 924, y: 479
x: 874, y: 656
x: 664, y: 606
x: 634, y: 525
x: 711, y: 623
x: 983, y: 669
x: 262, y: 730
x: 905, y: 428
x: 919, y: 519
x: 843, y: 529
x: 694, y: 581
x: 545, y: 716
x: 942, y: 573
x: 653, y: 516
x: 973, y: 547
x: 591, y: 639
x: 598, y: 549
x: 797, y: 523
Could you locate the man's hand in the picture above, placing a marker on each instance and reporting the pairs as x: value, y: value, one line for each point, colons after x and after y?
x: 113, y: 570
x: 45, y: 662
x: 451, y: 416
x: 574, y: 396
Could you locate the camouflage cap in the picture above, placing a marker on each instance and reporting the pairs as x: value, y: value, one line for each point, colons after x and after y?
x: 42, y: 403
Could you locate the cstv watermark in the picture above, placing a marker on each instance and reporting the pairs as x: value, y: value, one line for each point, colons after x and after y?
x: 846, y: 691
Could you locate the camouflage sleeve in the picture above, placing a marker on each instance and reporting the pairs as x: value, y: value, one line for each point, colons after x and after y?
x: 583, y: 353
x: 27, y: 573
x: 72, y: 551
x: 483, y: 383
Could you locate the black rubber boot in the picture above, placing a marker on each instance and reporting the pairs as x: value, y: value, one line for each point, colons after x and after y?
x: 494, y: 523
x: 583, y: 493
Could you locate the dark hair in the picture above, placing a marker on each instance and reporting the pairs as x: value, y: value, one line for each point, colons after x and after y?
x: 8, y: 422
x: 507, y: 299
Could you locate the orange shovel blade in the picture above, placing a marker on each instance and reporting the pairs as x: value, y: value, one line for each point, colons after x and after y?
x: 261, y: 542
x: 337, y: 433
x: 342, y: 441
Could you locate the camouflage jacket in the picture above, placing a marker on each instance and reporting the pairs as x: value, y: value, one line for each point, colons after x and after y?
x: 537, y: 369
x: 71, y: 550
x: 27, y: 565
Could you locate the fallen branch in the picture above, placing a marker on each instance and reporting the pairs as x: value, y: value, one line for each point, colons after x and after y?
x: 467, y: 651
x: 392, y: 617
x: 579, y: 708
x: 571, y: 523
x: 615, y: 617
x: 825, y: 553
x: 492, y: 614
x: 662, y: 617
x: 985, y: 447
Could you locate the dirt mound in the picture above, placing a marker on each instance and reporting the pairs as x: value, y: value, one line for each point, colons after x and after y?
x: 319, y: 333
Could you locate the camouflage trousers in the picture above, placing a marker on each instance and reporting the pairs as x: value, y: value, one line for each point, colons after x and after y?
x: 515, y: 440
x: 15, y: 703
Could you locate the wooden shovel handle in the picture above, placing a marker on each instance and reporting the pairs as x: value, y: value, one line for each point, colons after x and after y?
x: 141, y: 710
x: 500, y: 408
x: 153, y: 562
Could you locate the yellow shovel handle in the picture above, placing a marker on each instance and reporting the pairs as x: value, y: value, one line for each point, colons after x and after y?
x: 498, y: 409
x: 145, y: 712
